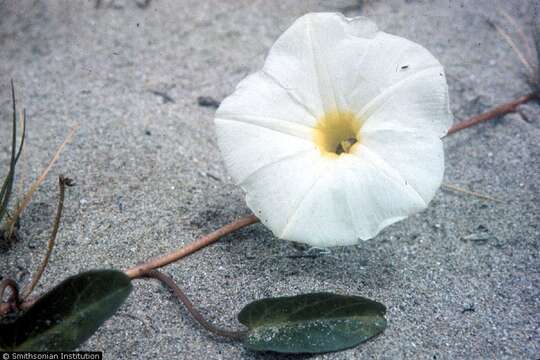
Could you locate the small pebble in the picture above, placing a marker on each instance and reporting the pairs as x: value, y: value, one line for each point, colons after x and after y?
x: 479, y: 238
x: 207, y: 101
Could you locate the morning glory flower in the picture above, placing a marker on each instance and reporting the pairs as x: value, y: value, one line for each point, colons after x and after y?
x: 339, y: 134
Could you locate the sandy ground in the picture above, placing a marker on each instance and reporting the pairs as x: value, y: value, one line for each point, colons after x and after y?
x: 460, y: 279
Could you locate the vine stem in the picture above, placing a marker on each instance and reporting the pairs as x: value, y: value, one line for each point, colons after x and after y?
x: 139, y: 270
x: 500, y: 110
x: 179, y: 294
x: 211, y: 238
x: 147, y: 269
x: 142, y: 270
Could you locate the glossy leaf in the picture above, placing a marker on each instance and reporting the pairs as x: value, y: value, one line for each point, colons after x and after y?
x: 311, y: 323
x: 69, y: 314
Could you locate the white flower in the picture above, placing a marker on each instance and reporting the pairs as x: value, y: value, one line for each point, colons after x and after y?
x: 338, y: 136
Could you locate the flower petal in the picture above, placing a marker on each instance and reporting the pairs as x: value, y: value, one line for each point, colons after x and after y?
x: 377, y: 195
x: 259, y: 125
x: 417, y: 157
x: 389, y: 61
x: 322, y: 217
x: 247, y: 148
x: 353, y: 199
x: 417, y: 103
x: 306, y: 60
x: 258, y: 98
x: 275, y: 191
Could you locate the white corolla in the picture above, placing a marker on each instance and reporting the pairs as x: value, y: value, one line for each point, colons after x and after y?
x: 339, y: 134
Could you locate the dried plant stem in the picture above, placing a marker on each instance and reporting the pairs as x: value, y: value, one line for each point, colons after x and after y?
x: 468, y: 192
x: 515, y: 48
x: 63, y: 182
x: 179, y: 294
x: 28, y: 196
x: 524, y: 39
x: 141, y: 269
x: 494, y: 113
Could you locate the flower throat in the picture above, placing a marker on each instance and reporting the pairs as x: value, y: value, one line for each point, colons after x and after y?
x: 337, y: 133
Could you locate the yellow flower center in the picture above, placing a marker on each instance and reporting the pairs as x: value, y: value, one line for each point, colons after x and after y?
x: 337, y: 133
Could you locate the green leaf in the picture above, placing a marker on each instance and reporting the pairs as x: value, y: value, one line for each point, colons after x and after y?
x: 69, y: 314
x: 311, y: 323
